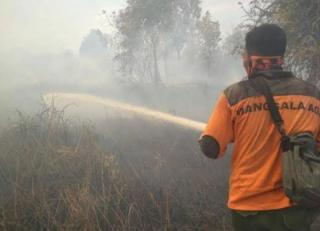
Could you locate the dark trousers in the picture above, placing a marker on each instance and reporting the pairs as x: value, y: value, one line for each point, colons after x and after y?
x: 288, y: 219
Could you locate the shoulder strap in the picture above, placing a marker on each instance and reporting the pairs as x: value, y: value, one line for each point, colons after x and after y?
x: 261, y: 86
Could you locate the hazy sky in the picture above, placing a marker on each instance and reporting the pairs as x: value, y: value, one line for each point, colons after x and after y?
x: 46, y: 26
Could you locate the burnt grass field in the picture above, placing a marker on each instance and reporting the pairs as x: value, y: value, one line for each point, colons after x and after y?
x: 121, y: 174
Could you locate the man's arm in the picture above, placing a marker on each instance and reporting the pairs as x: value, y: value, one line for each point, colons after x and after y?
x: 219, y: 130
x: 209, y: 146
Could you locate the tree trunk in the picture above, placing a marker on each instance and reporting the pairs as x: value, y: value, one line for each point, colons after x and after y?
x: 165, y: 62
x: 314, y: 76
x: 208, y: 68
x: 178, y: 54
x: 156, y: 74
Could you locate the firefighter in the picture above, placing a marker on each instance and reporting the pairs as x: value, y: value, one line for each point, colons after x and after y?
x: 256, y: 197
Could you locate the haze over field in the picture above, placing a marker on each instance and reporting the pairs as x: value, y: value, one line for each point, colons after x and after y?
x: 48, y: 46
x: 106, y: 133
x: 102, y: 103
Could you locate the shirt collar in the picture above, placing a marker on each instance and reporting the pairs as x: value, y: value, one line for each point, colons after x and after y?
x: 274, y: 74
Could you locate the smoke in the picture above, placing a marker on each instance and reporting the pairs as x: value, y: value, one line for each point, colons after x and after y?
x: 36, y: 59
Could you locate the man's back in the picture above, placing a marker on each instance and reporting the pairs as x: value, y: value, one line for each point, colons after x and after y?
x: 241, y: 116
x: 255, y: 182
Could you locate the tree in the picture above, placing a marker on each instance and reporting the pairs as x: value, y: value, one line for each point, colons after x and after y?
x: 209, y: 39
x: 148, y: 29
x: 301, y: 20
x: 95, y: 44
x: 186, y: 16
x: 140, y: 25
x: 234, y: 42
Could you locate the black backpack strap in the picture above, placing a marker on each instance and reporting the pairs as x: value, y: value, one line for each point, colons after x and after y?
x: 261, y: 86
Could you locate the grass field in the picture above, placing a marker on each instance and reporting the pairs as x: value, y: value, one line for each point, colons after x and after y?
x: 58, y: 174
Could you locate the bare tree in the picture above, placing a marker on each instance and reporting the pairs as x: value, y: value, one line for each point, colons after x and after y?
x: 149, y: 30
x: 209, y: 39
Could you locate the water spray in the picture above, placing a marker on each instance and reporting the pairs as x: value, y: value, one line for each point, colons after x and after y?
x: 142, y: 111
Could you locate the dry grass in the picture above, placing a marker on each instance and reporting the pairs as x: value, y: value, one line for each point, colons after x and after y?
x: 56, y: 174
x: 59, y: 175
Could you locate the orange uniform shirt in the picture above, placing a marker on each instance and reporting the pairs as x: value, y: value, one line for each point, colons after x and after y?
x: 241, y: 117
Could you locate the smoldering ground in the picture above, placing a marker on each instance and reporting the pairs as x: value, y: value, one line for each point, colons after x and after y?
x: 146, y: 173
